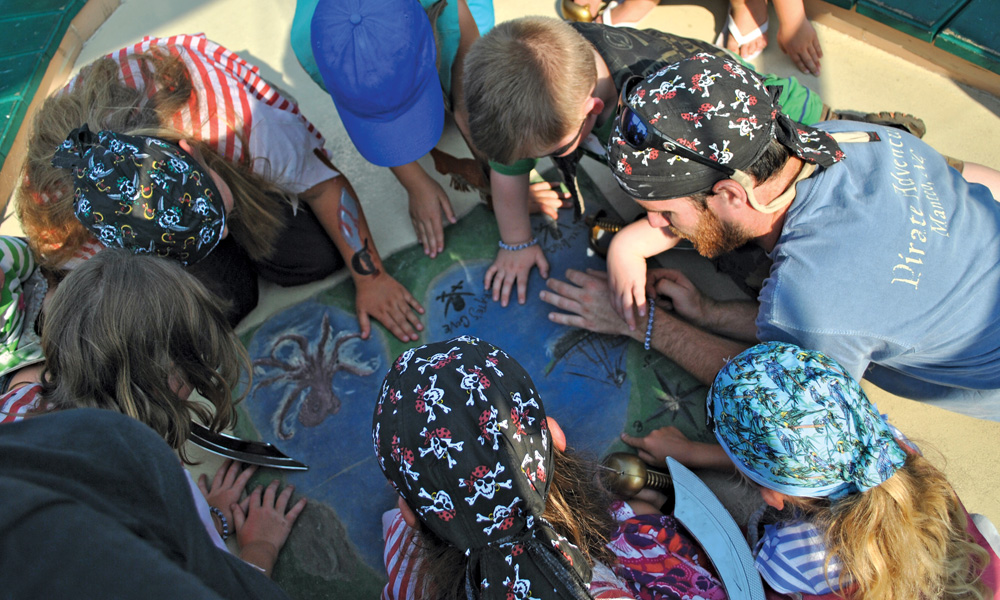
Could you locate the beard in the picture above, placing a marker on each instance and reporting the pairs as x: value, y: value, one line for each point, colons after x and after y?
x: 713, y: 238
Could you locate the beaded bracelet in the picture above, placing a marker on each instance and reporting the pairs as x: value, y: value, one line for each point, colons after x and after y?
x: 517, y: 247
x: 222, y: 519
x: 649, y: 324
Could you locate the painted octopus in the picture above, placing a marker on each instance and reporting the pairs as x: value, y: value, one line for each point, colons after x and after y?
x: 312, y: 371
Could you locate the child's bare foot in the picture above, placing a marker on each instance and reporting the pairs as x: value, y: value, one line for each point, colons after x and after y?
x: 626, y: 13
x: 749, y: 19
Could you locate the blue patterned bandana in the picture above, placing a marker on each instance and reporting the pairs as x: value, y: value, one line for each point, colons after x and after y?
x: 793, y: 420
x: 143, y: 194
x: 460, y: 432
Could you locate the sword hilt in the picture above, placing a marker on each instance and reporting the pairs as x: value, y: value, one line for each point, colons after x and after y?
x: 625, y: 474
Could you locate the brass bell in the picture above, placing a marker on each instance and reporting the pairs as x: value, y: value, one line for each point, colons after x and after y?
x: 576, y: 12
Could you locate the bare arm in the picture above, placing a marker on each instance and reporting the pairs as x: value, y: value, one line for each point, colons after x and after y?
x: 379, y: 295
x: 669, y: 441
x: 427, y: 200
x: 627, y: 256
x: 734, y: 319
x: 510, y: 203
x: 699, y: 352
x: 797, y: 37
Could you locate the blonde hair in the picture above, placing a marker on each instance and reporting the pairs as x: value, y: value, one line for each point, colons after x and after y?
x: 99, y: 98
x: 903, y: 539
x: 576, y: 507
x: 525, y: 85
x: 124, y: 332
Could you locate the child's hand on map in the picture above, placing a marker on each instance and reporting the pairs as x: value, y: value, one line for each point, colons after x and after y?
x: 627, y: 256
x: 227, y: 487
x: 512, y: 267
x: 547, y: 198
x: 262, y: 524
x: 384, y: 299
x: 627, y: 278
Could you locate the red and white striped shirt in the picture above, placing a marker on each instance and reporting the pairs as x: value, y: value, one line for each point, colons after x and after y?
x: 17, y: 402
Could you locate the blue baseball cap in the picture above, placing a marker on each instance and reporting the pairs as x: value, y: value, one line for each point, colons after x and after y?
x: 378, y: 60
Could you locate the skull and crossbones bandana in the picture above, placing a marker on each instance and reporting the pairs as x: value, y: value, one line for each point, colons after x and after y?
x: 718, y: 108
x: 460, y: 431
x: 795, y: 421
x: 143, y: 194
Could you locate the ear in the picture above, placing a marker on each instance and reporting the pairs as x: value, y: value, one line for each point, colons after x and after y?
x: 409, y: 516
x: 594, y: 106
x: 558, y: 437
x: 730, y: 193
x: 773, y: 498
x: 186, y: 146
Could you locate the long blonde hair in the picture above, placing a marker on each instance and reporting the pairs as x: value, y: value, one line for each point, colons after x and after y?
x: 99, y: 98
x: 125, y: 332
x: 903, y: 539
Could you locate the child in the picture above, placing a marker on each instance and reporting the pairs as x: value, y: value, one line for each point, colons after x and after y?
x: 136, y: 335
x: 292, y: 217
x: 95, y: 505
x: 386, y: 65
x: 864, y: 514
x: 22, y: 288
x: 493, y: 506
x: 796, y: 36
x: 539, y: 87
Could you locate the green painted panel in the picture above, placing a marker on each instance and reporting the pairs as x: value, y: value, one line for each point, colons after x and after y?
x: 974, y: 34
x: 29, y: 34
x: 9, y: 119
x: 921, y: 19
x: 16, y: 75
x: 20, y: 8
x: 32, y: 30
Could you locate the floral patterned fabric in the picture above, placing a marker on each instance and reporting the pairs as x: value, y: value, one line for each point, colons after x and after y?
x: 658, y: 560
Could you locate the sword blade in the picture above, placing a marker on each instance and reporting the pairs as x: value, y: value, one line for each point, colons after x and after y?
x: 248, y: 451
x: 701, y: 513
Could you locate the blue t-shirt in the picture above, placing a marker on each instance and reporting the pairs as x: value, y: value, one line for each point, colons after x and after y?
x: 890, y: 263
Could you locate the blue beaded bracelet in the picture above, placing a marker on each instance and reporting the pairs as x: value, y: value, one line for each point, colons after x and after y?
x: 517, y: 247
x: 649, y: 324
x: 222, y: 519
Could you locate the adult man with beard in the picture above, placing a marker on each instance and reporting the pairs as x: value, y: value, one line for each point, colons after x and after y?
x: 886, y: 261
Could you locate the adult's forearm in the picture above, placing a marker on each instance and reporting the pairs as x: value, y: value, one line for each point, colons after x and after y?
x: 734, y: 319
x: 697, y: 351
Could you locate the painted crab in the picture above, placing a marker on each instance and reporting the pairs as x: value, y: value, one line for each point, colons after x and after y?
x: 311, y: 372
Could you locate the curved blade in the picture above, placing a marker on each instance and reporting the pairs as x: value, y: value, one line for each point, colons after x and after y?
x: 701, y: 513
x: 248, y: 451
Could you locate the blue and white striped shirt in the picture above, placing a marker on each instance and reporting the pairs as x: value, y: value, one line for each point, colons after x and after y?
x: 791, y: 557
